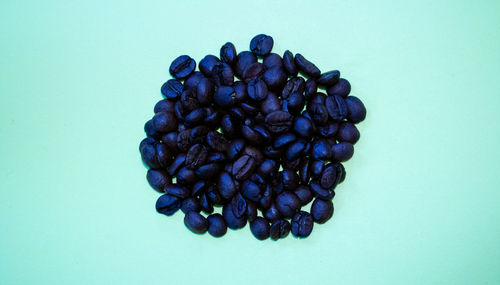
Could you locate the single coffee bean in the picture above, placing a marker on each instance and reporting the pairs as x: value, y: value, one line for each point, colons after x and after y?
x: 228, y: 53
x: 287, y: 203
x: 217, y: 141
x: 190, y: 204
x: 235, y: 148
x: 284, y: 140
x: 254, y: 153
x: 319, y: 113
x: 184, y: 140
x: 225, y: 96
x: 251, y: 190
x: 193, y: 80
x: 205, y: 91
x: 227, y: 187
x: 177, y: 190
x: 172, y: 89
x: 329, y: 78
x: 341, y: 88
x: 231, y: 220
x: 257, y: 89
x: 279, y: 229
x: 250, y: 135
x: 356, y: 111
x: 186, y: 176
x: 289, y: 179
x: 264, y: 133
x: 222, y: 74
x: 164, y: 105
x: 179, y: 112
x: 306, y: 66
x: 189, y: 100
x: 207, y: 64
x: 272, y: 60
x: 240, y: 90
x: 249, y: 109
x: 164, y: 122
x: 177, y: 164
x: 321, y: 150
x: 331, y: 176
x: 322, y: 193
x: 239, y: 206
x: 198, y: 134
x: 253, y: 71
x: 217, y: 226
x: 317, y: 167
x: 302, y: 224
x: 289, y: 63
x: 261, y: 44
x: 272, y: 213
x: 270, y: 104
x: 296, y: 149
x: 195, y: 222
x: 182, y: 67
x: 342, y: 151
x: 295, y: 103
x: 168, y: 204
x: 304, y: 194
x: 194, y: 118
x: 321, y: 210
x: 206, y: 205
x: 279, y: 121
x: 337, y: 107
x: 303, y: 127
x: 243, y: 167
x: 295, y: 84
x: 268, y: 167
x: 311, y: 88
x: 199, y: 188
x: 348, y: 133
x: 329, y: 130
x: 149, y: 155
x: 245, y: 58
x: 304, y: 171
x: 150, y: 130
x: 275, y: 77
x: 158, y: 179
x: 260, y: 228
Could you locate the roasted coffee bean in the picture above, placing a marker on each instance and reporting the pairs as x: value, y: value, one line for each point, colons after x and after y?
x: 240, y: 90
x: 284, y: 140
x: 341, y: 88
x: 268, y: 167
x: 291, y: 164
x: 172, y: 89
x: 255, y: 153
x: 177, y: 164
x: 193, y: 80
x: 272, y: 213
x: 295, y: 84
x: 231, y: 220
x: 249, y: 109
x: 337, y: 107
x: 216, y: 157
x: 239, y: 206
x: 302, y: 224
x: 321, y: 210
x: 168, y: 204
x: 304, y: 194
x: 311, y: 88
x: 198, y: 134
x: 222, y: 74
x: 331, y: 176
x: 206, y: 205
x: 306, y: 66
x: 245, y: 58
x: 164, y: 105
x: 184, y: 140
x: 228, y: 53
x: 237, y: 113
x: 199, y: 188
x: 253, y: 71
x: 342, y: 151
x: 304, y: 171
x: 179, y: 112
x: 279, y: 121
x: 329, y: 78
x: 322, y: 193
x: 287, y: 203
x: 164, y: 122
x: 214, y: 196
x: 250, y: 135
x: 243, y: 167
x: 356, y: 111
x: 225, y: 96
x: 227, y: 187
x: 217, y: 141
x: 158, y: 179
x: 195, y: 117
x: 260, y: 228
x: 205, y: 91
x: 190, y: 204
x: 348, y: 133
x: 303, y: 126
x: 289, y: 63
x: 329, y: 130
x: 182, y: 67
x: 186, y: 176
x: 272, y: 60
x: 250, y: 190
x: 195, y: 222
x: 261, y: 44
x: 217, y: 226
x: 170, y: 140
x: 189, y: 101
x: 266, y: 197
x: 149, y: 156
x: 290, y: 179
x: 208, y: 171
x: 257, y: 89
x: 150, y: 130
x: 235, y: 148
x: 296, y: 149
x: 319, y: 113
x: 317, y: 167
x: 274, y: 77
x: 207, y: 64
x: 279, y: 229
x: 295, y: 103
x: 270, y: 104
x: 321, y: 149
x: 264, y: 133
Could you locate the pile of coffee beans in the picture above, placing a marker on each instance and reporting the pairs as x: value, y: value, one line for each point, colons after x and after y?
x: 254, y: 133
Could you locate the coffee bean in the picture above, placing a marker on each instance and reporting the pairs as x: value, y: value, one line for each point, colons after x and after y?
x: 272, y: 60
x: 356, y: 111
x: 341, y: 88
x: 304, y: 194
x: 217, y: 226
x: 270, y: 104
x: 164, y: 122
x: 348, y: 133
x: 168, y: 204
x: 250, y: 190
x: 329, y: 130
x: 205, y: 91
x: 318, y: 113
x: 337, y: 107
x: 331, y: 175
x: 182, y: 67
x: 257, y: 89
x: 261, y: 44
x: 329, y: 78
x: 231, y: 220
x: 322, y: 193
x: 228, y: 53
x: 342, y: 151
x: 302, y: 224
x: 303, y: 126
x: 222, y: 74
x: 172, y: 89
x: 279, y: 121
x: 275, y: 77
x: 289, y: 63
x: 208, y: 171
x: 195, y: 222
x: 243, y: 167
x: 295, y: 103
x: 260, y: 228
x: 245, y: 58
x: 311, y: 88
x: 321, y: 150
x: 158, y: 179
x: 296, y: 149
x: 225, y: 96
x: 295, y: 84
x: 206, y: 205
x: 186, y: 176
x: 287, y: 203
x: 217, y: 141
x: 253, y: 71
x: 272, y: 213
x: 321, y: 210
x: 306, y: 66
x: 193, y: 80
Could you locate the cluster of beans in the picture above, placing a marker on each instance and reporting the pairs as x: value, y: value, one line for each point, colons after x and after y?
x: 261, y: 146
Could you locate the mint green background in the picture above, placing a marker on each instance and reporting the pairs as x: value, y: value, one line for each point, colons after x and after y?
x: 420, y: 204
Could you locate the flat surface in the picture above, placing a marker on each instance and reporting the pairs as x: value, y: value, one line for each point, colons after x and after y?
x: 420, y: 203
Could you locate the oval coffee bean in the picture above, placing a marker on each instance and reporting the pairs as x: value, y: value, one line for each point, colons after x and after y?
x: 257, y: 89
x: 231, y: 220
x: 341, y: 88
x: 243, y: 167
x: 272, y: 60
x: 228, y: 53
x: 306, y: 66
x: 207, y: 64
x: 337, y: 107
x: 279, y: 229
x: 260, y: 228
x: 287, y: 203
x: 195, y: 222
x: 279, y: 121
x: 322, y: 193
x: 261, y: 44
x: 216, y: 225
x: 289, y: 63
x: 321, y: 210
x: 302, y: 224
x: 182, y: 67
x: 168, y: 204
x: 172, y: 89
x: 348, y: 133
x: 245, y: 58
x: 217, y: 141
x: 329, y: 78
x: 304, y: 194
x: 356, y: 111
x: 342, y: 151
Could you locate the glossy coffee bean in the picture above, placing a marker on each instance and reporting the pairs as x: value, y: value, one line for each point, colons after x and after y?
x: 295, y: 84
x: 261, y: 44
x: 311, y: 88
x: 303, y: 127
x: 284, y: 140
x: 251, y: 211
x: 321, y: 210
x: 321, y: 150
x: 287, y: 203
x: 208, y: 171
x: 205, y: 91
x: 279, y: 229
x: 228, y: 53
x: 172, y: 89
x: 182, y: 67
x: 193, y: 80
x: 329, y: 130
x: 304, y: 194
x: 177, y: 190
x: 217, y: 141
x: 337, y: 107
x: 260, y: 228
x: 331, y: 176
x: 341, y: 88
x: 320, y: 192
x: 257, y: 89
x: 150, y: 130
x: 329, y: 78
x: 275, y: 77
x: 206, y: 205
x: 251, y: 191
x: 279, y: 121
x: 226, y: 184
x: 189, y: 101
x: 207, y: 64
x: 222, y: 74
x: 194, y: 118
x: 318, y: 113
x: 356, y: 111
x: 317, y: 167
x: 289, y: 63
x: 270, y: 104
x: 342, y: 151
x: 235, y: 148
x: 195, y: 222
x: 190, y: 204
x: 272, y: 213
x: 272, y: 60
x: 168, y: 204
x: 164, y: 122
x: 296, y: 149
x: 149, y: 156
x: 216, y: 225
x: 158, y: 179
x: 253, y: 71
x: 302, y: 224
x: 290, y: 179
x: 240, y: 90
x: 243, y: 167
x: 264, y: 133
x: 164, y: 105
x: 348, y: 133
x: 245, y: 58
x: 306, y: 66
x: 239, y: 206
x: 268, y: 167
x: 178, y: 162
x: 304, y: 171
x: 230, y: 219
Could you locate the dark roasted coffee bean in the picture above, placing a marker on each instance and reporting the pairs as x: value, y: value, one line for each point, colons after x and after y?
x: 228, y: 126
x: 189, y: 101
x: 250, y: 135
x: 264, y: 133
x: 275, y: 77
x: 237, y: 113
x: 190, y: 204
x: 341, y: 170
x: 319, y: 113
x: 222, y: 74
x: 206, y: 205
x: 217, y: 141
x: 272, y: 60
x: 302, y: 224
x: 295, y: 103
x: 321, y: 150
x: 194, y: 118
x: 284, y: 140
x: 158, y: 179
x: 208, y: 171
x: 182, y: 67
x: 272, y: 213
x: 289, y: 63
x: 164, y: 122
x: 304, y: 194
x: 337, y: 107
x: 225, y: 96
x: 163, y: 155
x: 287, y: 203
x: 253, y: 71
x: 177, y: 164
x: 150, y: 130
x: 272, y: 152
x: 164, y: 105
x: 235, y: 148
x: 147, y: 142
x: 249, y: 109
x: 214, y: 196
x: 356, y: 111
x: 295, y: 84
x: 168, y: 204
x: 228, y: 53
x: 291, y: 164
x: 255, y: 153
x: 179, y: 111
x: 170, y: 139
x: 341, y: 88
x: 331, y: 176
x: 172, y: 89
x: 184, y: 140
x: 348, y: 133
x: 231, y: 220
x: 329, y: 130
x: 329, y: 78
x: 279, y: 229
x: 251, y: 211
x: 250, y: 190
x: 303, y: 126
x: 260, y: 228
x: 177, y: 190
x: 279, y: 121
x: 310, y: 88
x: 193, y: 80
x: 195, y: 222
x: 290, y: 179
x: 186, y: 176
x: 149, y: 156
x: 270, y: 104
x: 198, y: 134
x: 240, y: 90
x: 199, y: 188
x: 216, y: 157
x: 268, y: 167
x: 243, y: 167
x: 217, y: 226
x: 321, y: 210
x: 322, y: 193
x: 239, y: 206
x: 342, y: 151
x: 205, y: 91
x: 266, y: 197
x: 306, y: 66
x: 261, y: 44
x: 245, y: 58
x: 257, y: 89
x: 207, y: 64
x: 227, y: 187
x: 317, y: 167
x: 296, y: 149
x: 304, y: 171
